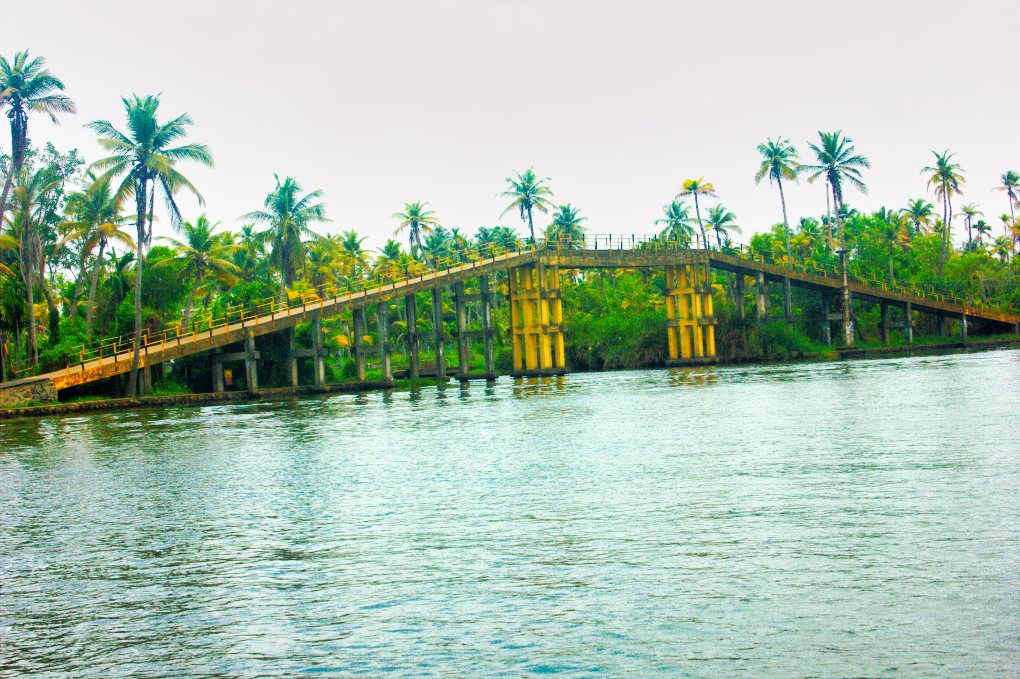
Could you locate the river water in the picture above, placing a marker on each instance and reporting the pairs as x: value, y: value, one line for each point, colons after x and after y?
x: 848, y: 518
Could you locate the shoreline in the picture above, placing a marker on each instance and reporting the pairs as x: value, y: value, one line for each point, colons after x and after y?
x: 276, y: 393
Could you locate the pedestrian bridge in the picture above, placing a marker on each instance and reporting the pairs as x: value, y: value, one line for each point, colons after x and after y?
x: 533, y: 276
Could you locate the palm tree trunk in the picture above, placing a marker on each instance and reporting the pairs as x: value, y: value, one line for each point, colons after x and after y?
x: 531, y: 228
x: 33, y: 351
x: 54, y: 314
x: 7, y: 191
x: 945, y: 231
x: 93, y: 282
x: 787, y: 295
x: 136, y: 342
x: 186, y: 316
x: 892, y: 274
x: 701, y: 227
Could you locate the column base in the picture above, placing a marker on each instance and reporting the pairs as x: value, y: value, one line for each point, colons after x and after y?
x: 688, y: 362
x: 540, y: 372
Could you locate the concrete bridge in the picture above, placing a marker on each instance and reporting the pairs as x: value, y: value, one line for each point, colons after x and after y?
x: 536, y: 313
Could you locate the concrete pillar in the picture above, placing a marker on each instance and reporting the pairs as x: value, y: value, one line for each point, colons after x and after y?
x: 963, y: 327
x: 411, y: 307
x: 318, y: 353
x: 762, y: 296
x: 826, y: 323
x: 787, y: 300
x: 490, y: 362
x: 439, y: 335
x: 382, y: 314
x: 292, y: 366
x: 908, y: 323
x: 884, y: 322
x: 250, y: 365
x: 943, y: 325
x: 145, y: 387
x: 359, y: 344
x: 739, y: 292
x: 463, y: 340
x: 217, y: 367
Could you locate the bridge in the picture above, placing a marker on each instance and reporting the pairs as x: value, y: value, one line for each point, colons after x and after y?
x: 536, y: 314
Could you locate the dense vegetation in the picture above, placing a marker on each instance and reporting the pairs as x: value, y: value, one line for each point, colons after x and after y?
x: 78, y: 260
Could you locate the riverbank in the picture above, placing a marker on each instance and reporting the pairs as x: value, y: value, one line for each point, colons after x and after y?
x: 276, y: 393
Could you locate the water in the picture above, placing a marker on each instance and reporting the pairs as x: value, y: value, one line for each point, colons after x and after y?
x: 854, y: 518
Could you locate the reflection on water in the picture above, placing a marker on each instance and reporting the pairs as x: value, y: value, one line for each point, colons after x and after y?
x: 816, y: 519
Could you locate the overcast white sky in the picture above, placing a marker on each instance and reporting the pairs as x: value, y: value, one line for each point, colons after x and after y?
x: 382, y: 102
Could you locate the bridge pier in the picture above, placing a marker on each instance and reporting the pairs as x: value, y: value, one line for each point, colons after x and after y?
x: 826, y: 318
x: 787, y: 300
x: 536, y: 313
x: 690, y: 316
x: 762, y: 296
x: 145, y: 383
x: 463, y: 339
x: 292, y: 357
x: 487, y: 333
x: 739, y: 290
x: 884, y: 322
x: 250, y: 364
x: 382, y: 317
x: 318, y: 353
x: 908, y: 322
x: 943, y: 325
x: 439, y: 333
x: 360, y: 373
x: 411, y: 308
x: 963, y: 327
x: 217, y: 366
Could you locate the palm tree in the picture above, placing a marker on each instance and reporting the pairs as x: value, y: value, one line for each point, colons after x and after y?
x: 416, y: 219
x: 919, y: 212
x: 698, y: 187
x: 676, y: 223
x: 356, y: 257
x: 147, y: 159
x: 983, y: 229
x: 969, y: 212
x: 26, y: 87
x: 527, y: 194
x: 779, y: 162
x: 1010, y: 183
x: 836, y: 159
x: 30, y: 202
x: 250, y: 251
x: 566, y: 226
x: 204, y: 255
x: 287, y: 216
x: 95, y: 221
x: 947, y: 178
x: 1002, y: 247
x: 895, y: 230
x: 722, y: 221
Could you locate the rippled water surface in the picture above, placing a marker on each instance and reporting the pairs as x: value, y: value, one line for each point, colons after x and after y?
x: 841, y: 518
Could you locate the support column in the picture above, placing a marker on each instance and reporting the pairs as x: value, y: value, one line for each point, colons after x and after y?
x: 360, y: 373
x: 690, y: 316
x: 411, y: 307
x: 762, y: 296
x: 463, y: 339
x: 536, y: 317
x: 382, y: 316
x: 908, y: 323
x: 787, y: 300
x: 847, y: 322
x: 490, y: 362
x: 439, y: 334
x: 943, y: 325
x: 292, y: 365
x: 884, y: 322
x: 319, y: 354
x: 963, y: 327
x: 826, y: 322
x: 739, y: 285
x: 146, y: 381
x: 250, y: 364
x: 218, y: 371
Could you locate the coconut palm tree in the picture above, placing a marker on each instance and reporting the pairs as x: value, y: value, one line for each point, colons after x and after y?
x: 969, y: 212
x: 919, y: 212
x: 566, y: 226
x: 695, y: 188
x: 27, y: 87
x: 147, y: 158
x: 947, y: 178
x: 1002, y: 248
x: 722, y: 221
x: 527, y: 193
x: 356, y: 257
x: 676, y: 223
x: 417, y: 220
x: 1010, y: 184
x: 250, y: 253
x: 205, y: 256
x: 288, y: 215
x: 95, y: 222
x: 983, y: 229
x: 29, y: 200
x: 779, y: 162
x: 895, y: 230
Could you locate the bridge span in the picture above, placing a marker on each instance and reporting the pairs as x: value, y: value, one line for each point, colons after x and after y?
x: 533, y: 280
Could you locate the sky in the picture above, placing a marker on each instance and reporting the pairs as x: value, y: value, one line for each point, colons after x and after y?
x: 379, y: 103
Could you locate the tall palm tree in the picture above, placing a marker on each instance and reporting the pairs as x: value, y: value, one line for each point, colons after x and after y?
x: 722, y: 221
x: 969, y: 212
x: 416, y: 219
x: 676, y: 223
x: 779, y: 162
x: 147, y: 159
x: 95, y: 220
x: 1002, y: 248
x: 983, y: 229
x: 354, y: 252
x: 250, y: 252
x: 698, y: 187
x: 205, y: 256
x: 29, y: 199
x: 947, y: 178
x: 837, y: 160
x: 567, y: 226
x: 527, y: 193
x: 287, y: 215
x: 1010, y: 184
x: 895, y: 230
x: 27, y: 87
x: 919, y: 212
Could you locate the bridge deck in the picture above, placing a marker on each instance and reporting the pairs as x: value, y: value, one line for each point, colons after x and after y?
x: 185, y: 345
